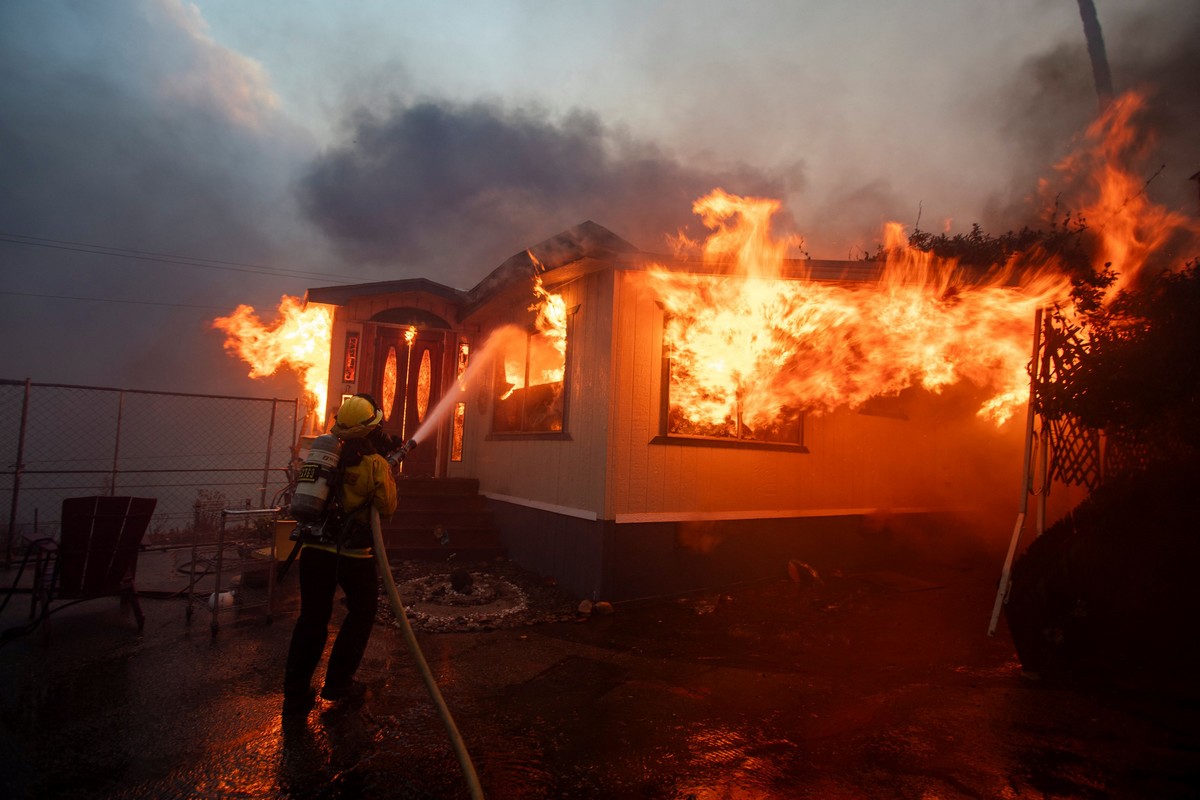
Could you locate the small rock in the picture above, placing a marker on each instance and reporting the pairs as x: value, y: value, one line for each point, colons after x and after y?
x: 461, y: 581
x: 585, y: 607
x: 603, y: 607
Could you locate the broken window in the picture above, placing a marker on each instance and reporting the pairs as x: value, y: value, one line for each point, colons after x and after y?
x: 707, y: 399
x: 529, y: 384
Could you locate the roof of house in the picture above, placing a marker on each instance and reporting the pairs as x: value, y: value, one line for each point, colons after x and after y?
x: 585, y: 242
x: 340, y: 295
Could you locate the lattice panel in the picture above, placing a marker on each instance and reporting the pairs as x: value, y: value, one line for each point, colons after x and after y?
x: 1125, y: 456
x: 1074, y: 453
x: 1075, y: 456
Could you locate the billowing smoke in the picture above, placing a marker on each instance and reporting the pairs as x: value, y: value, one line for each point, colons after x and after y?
x: 125, y: 125
x: 448, y: 191
x: 1151, y: 49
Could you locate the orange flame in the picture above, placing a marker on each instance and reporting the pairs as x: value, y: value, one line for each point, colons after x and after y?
x: 547, y: 352
x: 1131, y: 228
x: 299, y: 339
x: 760, y: 339
x: 753, y: 344
x: 552, y: 321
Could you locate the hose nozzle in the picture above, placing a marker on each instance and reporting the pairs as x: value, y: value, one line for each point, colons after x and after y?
x: 403, y: 450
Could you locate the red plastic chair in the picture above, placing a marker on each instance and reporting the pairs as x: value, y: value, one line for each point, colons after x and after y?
x: 95, y: 556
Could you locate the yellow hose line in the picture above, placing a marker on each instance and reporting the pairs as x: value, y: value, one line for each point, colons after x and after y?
x: 410, y: 639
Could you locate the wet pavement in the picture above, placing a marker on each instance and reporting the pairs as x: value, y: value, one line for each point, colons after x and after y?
x: 873, y: 683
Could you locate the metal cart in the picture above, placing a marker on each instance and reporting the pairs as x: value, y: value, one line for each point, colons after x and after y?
x: 222, y: 599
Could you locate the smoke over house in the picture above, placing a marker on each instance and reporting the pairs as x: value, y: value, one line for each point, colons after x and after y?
x: 446, y: 186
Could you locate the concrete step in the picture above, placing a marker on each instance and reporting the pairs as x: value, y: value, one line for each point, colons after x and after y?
x: 447, y: 519
x: 411, y: 487
x: 435, y: 502
x: 474, y: 544
x: 435, y: 509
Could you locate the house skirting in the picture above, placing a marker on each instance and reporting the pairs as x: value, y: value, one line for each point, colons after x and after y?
x: 620, y: 560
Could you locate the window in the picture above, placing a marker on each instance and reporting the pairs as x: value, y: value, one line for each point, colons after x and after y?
x: 707, y: 400
x: 529, y: 384
x: 458, y: 422
x: 390, y: 376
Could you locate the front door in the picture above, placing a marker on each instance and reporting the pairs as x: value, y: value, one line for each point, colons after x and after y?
x: 407, y: 382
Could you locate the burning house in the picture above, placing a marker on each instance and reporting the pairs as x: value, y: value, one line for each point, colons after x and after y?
x: 642, y: 425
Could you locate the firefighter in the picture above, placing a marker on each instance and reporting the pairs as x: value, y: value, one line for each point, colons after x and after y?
x: 363, y: 477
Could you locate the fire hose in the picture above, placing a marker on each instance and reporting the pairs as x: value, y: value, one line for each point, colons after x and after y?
x: 410, y: 639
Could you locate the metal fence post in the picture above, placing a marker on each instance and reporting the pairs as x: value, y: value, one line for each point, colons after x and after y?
x: 112, y: 486
x: 17, y: 468
x: 267, y: 464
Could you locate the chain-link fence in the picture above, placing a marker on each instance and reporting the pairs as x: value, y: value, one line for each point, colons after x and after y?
x: 198, y: 454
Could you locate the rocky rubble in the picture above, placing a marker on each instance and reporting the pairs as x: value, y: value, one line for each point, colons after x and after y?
x: 474, y: 596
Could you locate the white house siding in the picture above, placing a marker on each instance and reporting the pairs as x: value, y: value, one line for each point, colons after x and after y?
x: 566, y: 475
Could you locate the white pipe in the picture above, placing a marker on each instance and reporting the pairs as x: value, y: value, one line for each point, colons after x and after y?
x: 1006, y: 573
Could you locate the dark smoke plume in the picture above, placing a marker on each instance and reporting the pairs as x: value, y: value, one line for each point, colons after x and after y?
x: 123, y: 125
x: 449, y: 191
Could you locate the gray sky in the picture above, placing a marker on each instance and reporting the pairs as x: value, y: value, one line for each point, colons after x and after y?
x: 270, y: 146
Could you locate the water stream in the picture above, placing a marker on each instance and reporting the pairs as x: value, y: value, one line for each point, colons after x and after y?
x: 495, y: 342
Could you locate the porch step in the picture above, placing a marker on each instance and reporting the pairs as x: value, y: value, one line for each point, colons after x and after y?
x: 432, y: 487
x: 441, y: 518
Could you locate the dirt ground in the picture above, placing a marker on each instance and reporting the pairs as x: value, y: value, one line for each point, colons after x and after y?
x: 863, y: 684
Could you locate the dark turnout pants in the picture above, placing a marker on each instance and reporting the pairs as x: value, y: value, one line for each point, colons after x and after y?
x: 321, y: 572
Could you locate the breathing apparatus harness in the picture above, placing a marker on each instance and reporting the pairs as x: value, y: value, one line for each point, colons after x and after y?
x: 317, y: 504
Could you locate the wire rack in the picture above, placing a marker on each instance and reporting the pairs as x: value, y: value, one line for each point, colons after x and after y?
x: 246, y: 551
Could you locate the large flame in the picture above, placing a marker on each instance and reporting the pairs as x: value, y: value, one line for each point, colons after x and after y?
x: 299, y: 339
x: 547, y: 351
x: 1131, y: 229
x: 751, y: 345
x: 551, y: 321
x: 756, y: 339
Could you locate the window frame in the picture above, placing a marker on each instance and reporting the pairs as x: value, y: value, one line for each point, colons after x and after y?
x: 665, y: 436
x: 497, y: 370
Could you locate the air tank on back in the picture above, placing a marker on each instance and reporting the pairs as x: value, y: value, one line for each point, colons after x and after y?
x: 316, y: 474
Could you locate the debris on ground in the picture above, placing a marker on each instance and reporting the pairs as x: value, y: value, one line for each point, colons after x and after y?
x: 477, y: 596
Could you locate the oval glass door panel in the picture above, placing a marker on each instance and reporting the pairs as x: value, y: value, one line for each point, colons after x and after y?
x: 423, y: 383
x: 389, y: 383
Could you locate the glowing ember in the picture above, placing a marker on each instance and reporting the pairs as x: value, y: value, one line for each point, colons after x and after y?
x: 299, y: 340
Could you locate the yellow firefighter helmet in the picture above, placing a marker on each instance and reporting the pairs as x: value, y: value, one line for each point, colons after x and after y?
x: 358, y: 416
